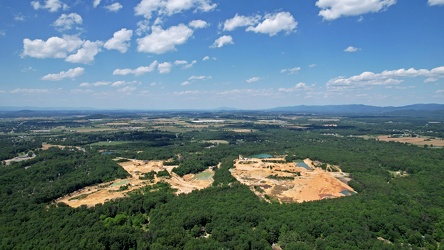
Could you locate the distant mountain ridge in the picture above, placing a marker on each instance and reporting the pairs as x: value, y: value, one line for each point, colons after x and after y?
x: 360, y: 109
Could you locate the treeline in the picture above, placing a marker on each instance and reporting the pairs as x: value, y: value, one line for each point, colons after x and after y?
x: 11, y: 147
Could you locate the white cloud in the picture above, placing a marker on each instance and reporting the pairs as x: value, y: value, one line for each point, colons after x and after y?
x: 66, y: 22
x: 333, y: 9
x: 20, y: 17
x: 180, y: 62
x: 71, y: 73
x: 192, y: 78
x: 198, y: 24
x: 54, y: 47
x: 351, y: 49
x: 206, y: 58
x: 247, y: 92
x: 138, y: 71
x: 2, y: 33
x: 291, y: 71
x: 127, y: 89
x: 275, y: 23
x: 29, y: 91
x: 96, y: 84
x: 312, y: 65
x: 120, y: 40
x: 188, y: 92
x: 436, y: 2
x: 96, y: 3
x: 87, y: 53
x: 387, y: 77
x: 28, y: 69
x: 142, y: 27
x: 185, y: 64
x: 253, y: 79
x: 240, y: 21
x: 164, y: 68
x: 221, y: 41
x: 115, y: 7
x: 185, y: 83
x: 298, y: 86
x: 50, y: 5
x: 123, y: 83
x: 146, y: 8
x: 161, y: 41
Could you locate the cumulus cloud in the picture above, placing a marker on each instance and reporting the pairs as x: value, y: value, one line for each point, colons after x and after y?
x: 164, y: 68
x: 50, y: 5
x: 351, y: 49
x: 253, y: 79
x: 71, y: 73
x: 161, y: 41
x: 387, y: 77
x: 72, y: 48
x: 54, y: 47
x: 221, y: 41
x: 275, y: 23
x: 198, y: 24
x: 146, y: 8
x: 436, y: 2
x: 298, y: 86
x: 87, y: 53
x: 138, y: 71
x: 291, y: 71
x: 95, y: 84
x: 185, y: 64
x: 96, y: 3
x: 67, y: 21
x: 193, y: 78
x: 120, y: 41
x: 240, y: 21
x: 123, y: 83
x: 333, y: 9
x: 115, y: 7
x: 206, y: 58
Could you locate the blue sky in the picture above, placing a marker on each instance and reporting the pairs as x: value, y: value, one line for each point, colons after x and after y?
x: 203, y: 54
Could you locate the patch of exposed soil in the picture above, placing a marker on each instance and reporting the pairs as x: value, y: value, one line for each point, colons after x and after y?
x: 288, y: 182
x: 104, y: 192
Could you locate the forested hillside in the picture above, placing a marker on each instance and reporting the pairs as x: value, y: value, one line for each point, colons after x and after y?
x: 389, y: 211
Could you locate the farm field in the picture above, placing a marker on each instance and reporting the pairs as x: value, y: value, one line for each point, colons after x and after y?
x: 419, y: 140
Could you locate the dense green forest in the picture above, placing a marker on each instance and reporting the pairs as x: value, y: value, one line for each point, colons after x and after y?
x: 387, y: 213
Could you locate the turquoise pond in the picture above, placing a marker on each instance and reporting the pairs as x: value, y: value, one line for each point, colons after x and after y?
x: 302, y: 164
x: 204, y: 176
x: 261, y: 156
x: 347, y: 192
x: 119, y: 183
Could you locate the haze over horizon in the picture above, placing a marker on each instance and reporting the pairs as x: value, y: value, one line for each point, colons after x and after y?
x: 206, y: 54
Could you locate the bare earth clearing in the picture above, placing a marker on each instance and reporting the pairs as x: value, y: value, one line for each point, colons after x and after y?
x: 101, y: 193
x: 291, y: 182
x: 421, y: 141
